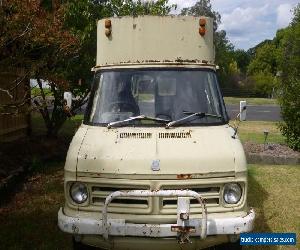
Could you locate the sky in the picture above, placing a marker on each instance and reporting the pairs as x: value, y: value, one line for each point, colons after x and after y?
x: 249, y: 22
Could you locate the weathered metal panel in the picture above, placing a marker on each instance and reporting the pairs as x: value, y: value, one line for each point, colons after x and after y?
x: 154, y: 39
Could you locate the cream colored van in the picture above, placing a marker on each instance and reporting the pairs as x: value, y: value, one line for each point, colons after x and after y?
x: 155, y: 164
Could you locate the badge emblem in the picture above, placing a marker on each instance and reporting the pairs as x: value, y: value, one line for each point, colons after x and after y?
x: 155, y: 165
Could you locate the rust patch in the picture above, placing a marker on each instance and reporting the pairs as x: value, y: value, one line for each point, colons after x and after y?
x: 181, y: 229
x: 107, y: 23
x: 184, y: 176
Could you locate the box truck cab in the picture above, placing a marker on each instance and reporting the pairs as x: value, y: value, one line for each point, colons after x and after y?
x: 155, y: 164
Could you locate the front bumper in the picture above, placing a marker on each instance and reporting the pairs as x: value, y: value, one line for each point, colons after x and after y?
x: 184, y: 228
x: 215, y: 226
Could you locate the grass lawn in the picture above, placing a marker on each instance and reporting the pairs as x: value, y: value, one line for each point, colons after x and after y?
x: 67, y: 130
x: 254, y: 131
x: 274, y: 192
x: 29, y: 220
x: 250, y: 101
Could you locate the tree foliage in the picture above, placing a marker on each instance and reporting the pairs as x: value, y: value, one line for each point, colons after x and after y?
x: 34, y: 39
x: 265, y: 60
x: 242, y: 59
x: 289, y: 86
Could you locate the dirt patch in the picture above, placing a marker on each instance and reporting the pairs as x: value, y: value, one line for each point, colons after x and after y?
x: 270, y: 149
x: 275, y: 154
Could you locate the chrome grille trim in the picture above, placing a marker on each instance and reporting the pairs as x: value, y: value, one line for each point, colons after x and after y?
x: 99, y: 193
x: 211, y: 194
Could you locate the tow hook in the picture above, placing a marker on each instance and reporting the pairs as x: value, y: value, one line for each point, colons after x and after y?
x: 183, y: 228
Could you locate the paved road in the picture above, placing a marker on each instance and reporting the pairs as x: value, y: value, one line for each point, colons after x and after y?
x: 257, y: 113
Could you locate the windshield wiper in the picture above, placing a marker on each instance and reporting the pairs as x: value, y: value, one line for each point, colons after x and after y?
x: 135, y: 118
x: 190, y: 115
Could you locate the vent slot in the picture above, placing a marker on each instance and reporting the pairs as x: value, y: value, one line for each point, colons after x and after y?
x: 112, y: 189
x: 206, y: 190
x: 135, y: 135
x: 122, y: 201
x: 174, y: 135
x: 173, y: 202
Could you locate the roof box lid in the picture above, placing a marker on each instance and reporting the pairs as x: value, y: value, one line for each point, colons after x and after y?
x: 155, y: 39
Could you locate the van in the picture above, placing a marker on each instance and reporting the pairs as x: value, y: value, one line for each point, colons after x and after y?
x: 155, y: 164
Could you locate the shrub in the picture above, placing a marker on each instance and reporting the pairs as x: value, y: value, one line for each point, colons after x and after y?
x: 289, y: 86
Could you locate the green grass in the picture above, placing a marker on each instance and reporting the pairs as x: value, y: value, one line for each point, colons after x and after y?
x: 29, y: 220
x: 254, y: 131
x: 274, y: 192
x: 250, y: 101
x: 68, y: 129
x: 35, y: 91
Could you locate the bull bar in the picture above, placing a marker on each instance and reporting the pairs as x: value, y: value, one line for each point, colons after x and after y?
x: 184, y: 228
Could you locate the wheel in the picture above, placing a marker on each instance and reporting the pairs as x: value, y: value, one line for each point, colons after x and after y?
x: 227, y: 246
x: 80, y: 246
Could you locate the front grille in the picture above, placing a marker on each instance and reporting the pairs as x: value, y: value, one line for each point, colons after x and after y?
x: 211, y: 194
x: 122, y: 204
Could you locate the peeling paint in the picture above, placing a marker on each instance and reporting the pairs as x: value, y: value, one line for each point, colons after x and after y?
x: 184, y: 176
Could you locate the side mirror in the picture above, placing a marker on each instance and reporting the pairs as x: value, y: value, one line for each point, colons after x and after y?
x: 68, y: 99
x: 243, y: 110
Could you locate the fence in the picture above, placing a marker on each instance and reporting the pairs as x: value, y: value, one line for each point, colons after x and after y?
x: 14, y: 105
x: 236, y: 92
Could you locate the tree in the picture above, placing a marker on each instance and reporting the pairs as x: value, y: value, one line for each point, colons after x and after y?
x: 262, y: 68
x: 265, y: 60
x: 224, y: 57
x: 289, y: 86
x: 243, y: 59
x: 35, y: 40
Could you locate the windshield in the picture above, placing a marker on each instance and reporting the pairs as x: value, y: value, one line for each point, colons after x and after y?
x: 167, y: 94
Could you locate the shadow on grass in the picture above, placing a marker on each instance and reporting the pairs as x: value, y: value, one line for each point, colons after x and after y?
x: 257, y: 195
x: 29, y: 220
x: 35, y: 230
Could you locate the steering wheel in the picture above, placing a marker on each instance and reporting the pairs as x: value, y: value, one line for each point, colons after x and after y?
x: 124, y: 107
x: 164, y: 116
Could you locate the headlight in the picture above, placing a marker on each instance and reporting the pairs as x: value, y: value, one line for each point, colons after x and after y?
x: 232, y: 193
x: 78, y: 192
